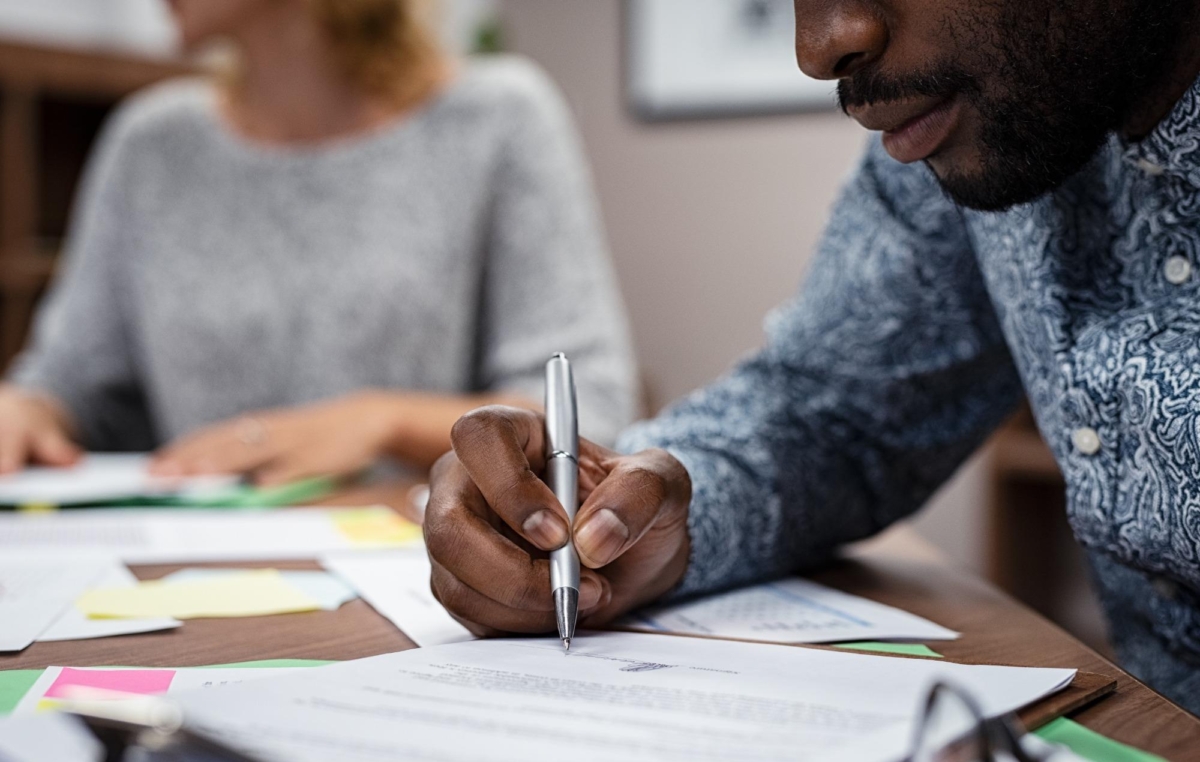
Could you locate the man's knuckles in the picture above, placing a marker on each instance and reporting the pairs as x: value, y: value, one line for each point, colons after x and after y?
x: 482, y: 425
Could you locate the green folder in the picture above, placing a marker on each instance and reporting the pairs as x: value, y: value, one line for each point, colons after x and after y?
x: 1091, y: 745
x: 238, y: 496
x: 246, y: 496
x: 907, y: 649
x: 14, y: 684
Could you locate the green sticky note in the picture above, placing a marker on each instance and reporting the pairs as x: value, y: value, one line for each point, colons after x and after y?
x: 14, y: 684
x: 1091, y: 745
x: 908, y: 649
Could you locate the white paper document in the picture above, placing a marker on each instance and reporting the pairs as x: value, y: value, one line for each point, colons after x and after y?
x: 787, y: 611
x: 396, y: 584
x: 616, y: 696
x: 47, y: 738
x: 36, y: 592
x: 174, y: 535
x: 100, y: 478
x: 73, y: 624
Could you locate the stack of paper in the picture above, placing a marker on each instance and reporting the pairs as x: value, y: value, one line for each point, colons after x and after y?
x: 171, y: 535
x: 34, y: 593
x: 48, y: 738
x: 100, y: 478
x: 787, y: 611
x: 615, y: 696
x: 74, y: 624
x: 38, y: 600
x: 396, y: 584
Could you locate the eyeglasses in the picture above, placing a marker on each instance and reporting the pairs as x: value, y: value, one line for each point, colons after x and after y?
x: 953, y: 728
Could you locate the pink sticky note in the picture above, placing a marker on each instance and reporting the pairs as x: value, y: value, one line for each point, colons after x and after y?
x: 146, y: 682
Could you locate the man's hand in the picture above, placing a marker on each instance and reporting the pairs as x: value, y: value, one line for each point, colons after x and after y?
x: 491, y: 521
x: 335, y: 438
x: 34, y: 429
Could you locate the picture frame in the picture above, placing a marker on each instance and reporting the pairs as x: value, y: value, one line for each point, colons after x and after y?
x: 698, y: 59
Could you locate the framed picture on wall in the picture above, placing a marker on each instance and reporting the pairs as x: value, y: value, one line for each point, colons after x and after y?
x: 688, y: 59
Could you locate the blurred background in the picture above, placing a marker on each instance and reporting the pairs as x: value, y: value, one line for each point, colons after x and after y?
x: 715, y: 164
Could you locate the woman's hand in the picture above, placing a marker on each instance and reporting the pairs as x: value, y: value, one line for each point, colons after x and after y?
x: 335, y: 438
x: 34, y: 429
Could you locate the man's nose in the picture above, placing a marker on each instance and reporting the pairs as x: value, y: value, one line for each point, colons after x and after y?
x: 835, y: 38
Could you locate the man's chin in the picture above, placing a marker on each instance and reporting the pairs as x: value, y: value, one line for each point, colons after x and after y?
x: 993, y: 180
x: 964, y: 177
x: 983, y: 189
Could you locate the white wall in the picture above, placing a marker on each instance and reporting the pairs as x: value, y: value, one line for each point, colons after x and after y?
x: 711, y: 223
x: 138, y: 25
x: 145, y: 25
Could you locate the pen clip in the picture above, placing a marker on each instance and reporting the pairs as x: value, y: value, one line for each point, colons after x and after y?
x: 562, y: 428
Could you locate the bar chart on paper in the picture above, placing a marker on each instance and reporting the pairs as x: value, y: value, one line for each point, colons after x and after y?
x: 788, y: 611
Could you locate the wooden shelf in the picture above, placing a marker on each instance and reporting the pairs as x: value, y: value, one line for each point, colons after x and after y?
x: 87, y: 74
x: 52, y: 102
x: 25, y: 273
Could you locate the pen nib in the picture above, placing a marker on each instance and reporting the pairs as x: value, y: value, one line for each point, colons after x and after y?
x: 566, y: 644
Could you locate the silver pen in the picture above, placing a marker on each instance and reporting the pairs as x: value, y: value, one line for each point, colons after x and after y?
x: 562, y: 474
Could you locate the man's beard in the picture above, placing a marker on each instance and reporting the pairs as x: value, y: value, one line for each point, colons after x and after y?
x: 1049, y: 80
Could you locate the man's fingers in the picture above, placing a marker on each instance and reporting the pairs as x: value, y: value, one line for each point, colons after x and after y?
x: 627, y: 503
x: 459, y: 537
x: 485, y: 560
x: 501, y: 448
x: 469, y: 605
x: 485, y: 617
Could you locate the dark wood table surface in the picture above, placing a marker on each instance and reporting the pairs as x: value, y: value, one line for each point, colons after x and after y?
x: 897, y: 569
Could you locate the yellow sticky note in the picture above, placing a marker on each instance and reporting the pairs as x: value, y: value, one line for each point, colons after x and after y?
x: 252, y: 593
x: 37, y: 508
x: 375, y: 526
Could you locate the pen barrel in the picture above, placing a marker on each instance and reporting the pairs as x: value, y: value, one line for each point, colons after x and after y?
x: 562, y: 475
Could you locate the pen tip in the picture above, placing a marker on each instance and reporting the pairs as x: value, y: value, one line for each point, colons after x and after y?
x: 566, y: 644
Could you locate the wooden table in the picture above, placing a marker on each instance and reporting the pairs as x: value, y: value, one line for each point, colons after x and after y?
x: 896, y: 569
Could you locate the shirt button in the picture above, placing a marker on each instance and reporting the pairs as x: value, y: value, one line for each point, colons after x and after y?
x: 1177, y: 269
x: 1150, y: 168
x: 1086, y: 440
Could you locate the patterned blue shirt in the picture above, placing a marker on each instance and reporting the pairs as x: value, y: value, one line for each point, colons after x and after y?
x: 915, y: 335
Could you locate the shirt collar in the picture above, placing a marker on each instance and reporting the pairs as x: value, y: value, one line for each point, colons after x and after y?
x: 1173, y: 147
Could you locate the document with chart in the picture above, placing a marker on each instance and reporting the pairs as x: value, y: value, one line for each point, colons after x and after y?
x: 787, y: 611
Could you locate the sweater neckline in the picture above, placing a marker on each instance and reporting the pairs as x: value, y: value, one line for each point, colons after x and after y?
x: 329, y: 149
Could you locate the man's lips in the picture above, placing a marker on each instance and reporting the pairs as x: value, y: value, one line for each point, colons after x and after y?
x: 912, y: 130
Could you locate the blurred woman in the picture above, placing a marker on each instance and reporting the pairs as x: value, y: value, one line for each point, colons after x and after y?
x: 321, y: 260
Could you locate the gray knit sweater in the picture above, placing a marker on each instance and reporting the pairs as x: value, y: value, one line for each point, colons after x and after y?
x: 207, y: 276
